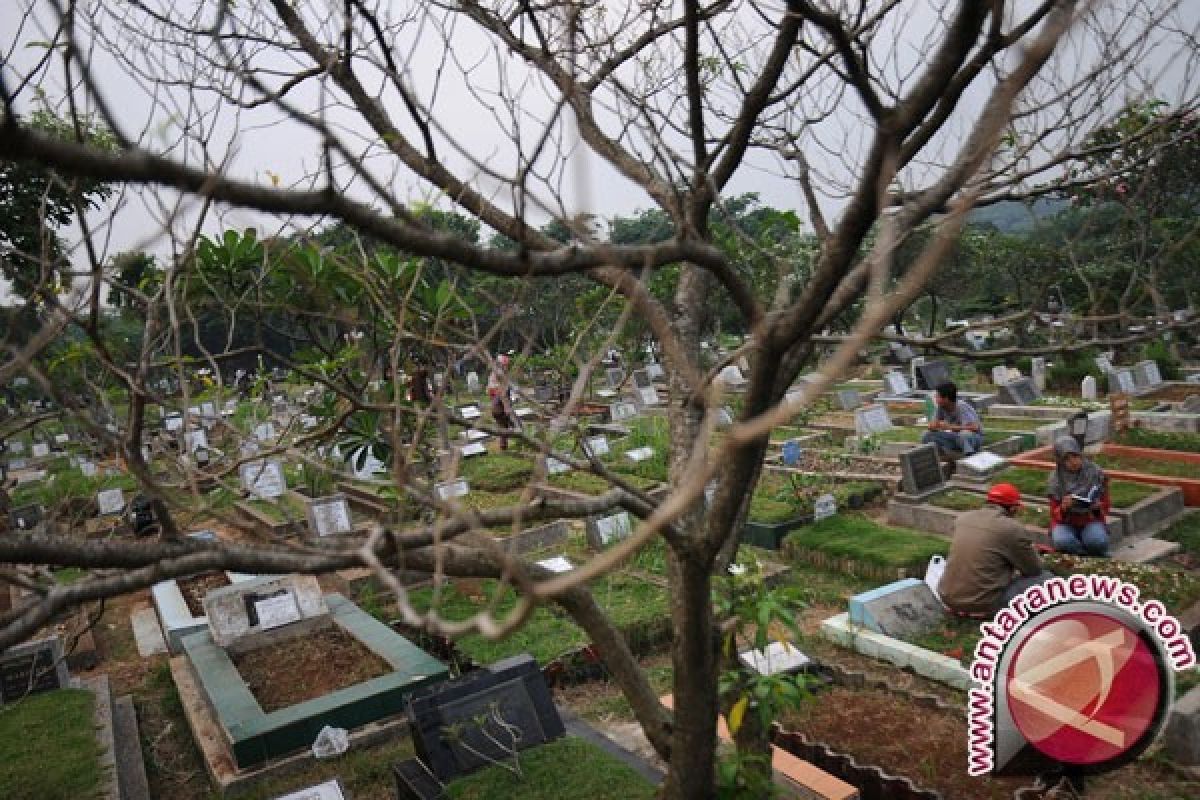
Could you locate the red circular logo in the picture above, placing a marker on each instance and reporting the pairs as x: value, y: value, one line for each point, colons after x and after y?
x: 1083, y: 688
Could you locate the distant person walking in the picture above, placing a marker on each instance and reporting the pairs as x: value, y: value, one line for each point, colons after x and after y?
x: 497, y: 389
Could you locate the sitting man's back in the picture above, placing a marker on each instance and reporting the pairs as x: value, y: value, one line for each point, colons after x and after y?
x: 991, y: 557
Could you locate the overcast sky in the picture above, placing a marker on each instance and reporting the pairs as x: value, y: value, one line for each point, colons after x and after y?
x: 263, y: 145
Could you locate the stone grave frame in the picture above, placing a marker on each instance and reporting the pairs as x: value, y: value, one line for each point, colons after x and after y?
x: 603, y: 532
x: 329, y: 516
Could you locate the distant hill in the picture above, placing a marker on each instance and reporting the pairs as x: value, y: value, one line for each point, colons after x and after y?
x: 1011, y: 216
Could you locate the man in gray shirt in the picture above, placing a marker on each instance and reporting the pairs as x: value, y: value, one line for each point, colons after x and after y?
x: 956, y: 428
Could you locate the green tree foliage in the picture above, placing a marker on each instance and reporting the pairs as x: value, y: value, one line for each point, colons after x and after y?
x: 36, y: 202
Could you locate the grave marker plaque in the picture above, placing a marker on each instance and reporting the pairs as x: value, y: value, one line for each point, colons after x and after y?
x: 619, y: 412
x: 849, y: 399
x: 88, y: 469
x: 330, y: 516
x: 731, y: 376
x: 932, y: 374
x: 276, y: 611
x: 329, y: 790
x: 474, y: 435
x: 17, y: 447
x: 724, y: 417
x: 982, y: 463
x: 110, y: 501
x: 264, y: 432
x: 480, y: 719
x: 448, y: 490
x: 40, y: 450
x: 61, y: 438
x: 777, y: 658
x: 470, y: 412
x: 556, y: 467
x: 1000, y: 375
x: 1037, y: 371
x: 639, y: 454
x: 615, y: 377
x: 872, y: 419
x: 896, y: 384
x: 921, y: 470
x: 901, y: 609
x: 655, y: 371
x: 1124, y: 383
x: 1087, y: 388
x: 825, y: 507
x: 1020, y: 392
x: 473, y: 449
x: 473, y: 385
x: 263, y: 479
x: 1103, y: 364
x: 598, y: 445
x: 556, y: 564
x: 236, y: 613
x: 641, y: 379
x: 195, y: 440
x: 173, y: 423
x: 605, y: 531
x: 32, y: 667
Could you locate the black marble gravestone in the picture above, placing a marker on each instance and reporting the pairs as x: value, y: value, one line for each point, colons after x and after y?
x: 932, y: 374
x: 31, y: 668
x: 483, y: 717
x: 921, y: 470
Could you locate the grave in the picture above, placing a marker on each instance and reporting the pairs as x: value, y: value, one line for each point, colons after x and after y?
x: 619, y: 412
x: 235, y: 733
x: 981, y: 466
x: 1020, y: 392
x: 644, y: 390
x: 655, y: 371
x: 1037, y: 371
x: 449, y: 490
x: 824, y: 507
x: 896, y: 385
x: 1120, y: 381
x: 174, y: 616
x: 901, y: 610
x: 849, y: 399
x: 264, y: 431
x: 921, y: 471
x: 470, y: 412
x: 329, y: 790
x: 1087, y: 388
x: 32, y: 667
x: 1146, y: 375
x: 777, y: 658
x: 250, y: 614
x: 932, y: 374
x: 638, y: 454
x: 598, y: 445
x: 732, y: 377
x: 1104, y: 364
x: 615, y: 377
x: 605, y: 531
x: 110, y: 502
x: 483, y: 718
x: 329, y: 516
x: 872, y: 419
x: 263, y: 479
x: 999, y: 375
x: 26, y: 518
x: 473, y: 385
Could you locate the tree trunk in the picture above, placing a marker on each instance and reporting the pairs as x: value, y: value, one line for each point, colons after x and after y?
x: 694, y: 658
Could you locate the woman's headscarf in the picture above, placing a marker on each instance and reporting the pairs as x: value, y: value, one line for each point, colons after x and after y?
x: 1064, y: 482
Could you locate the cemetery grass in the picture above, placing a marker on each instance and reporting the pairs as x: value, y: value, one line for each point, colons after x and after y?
x: 955, y: 637
x: 1033, y: 482
x: 48, y: 747
x: 1177, y: 589
x: 960, y: 500
x: 589, y: 483
x: 1159, y: 440
x: 566, y: 769
x: 858, y: 538
x: 307, y: 667
x: 1148, y: 466
x: 1186, y: 531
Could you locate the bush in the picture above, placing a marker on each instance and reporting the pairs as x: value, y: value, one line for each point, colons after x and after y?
x: 1168, y: 366
x: 1070, y: 369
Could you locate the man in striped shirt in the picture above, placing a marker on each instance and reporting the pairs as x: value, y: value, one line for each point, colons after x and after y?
x: 956, y: 428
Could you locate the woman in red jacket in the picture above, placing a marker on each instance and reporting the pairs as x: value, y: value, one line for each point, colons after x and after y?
x: 1079, y: 502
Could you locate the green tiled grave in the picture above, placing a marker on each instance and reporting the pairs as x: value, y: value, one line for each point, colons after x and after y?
x: 255, y: 736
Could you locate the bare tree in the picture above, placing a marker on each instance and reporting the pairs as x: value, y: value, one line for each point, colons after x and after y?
x: 881, y: 117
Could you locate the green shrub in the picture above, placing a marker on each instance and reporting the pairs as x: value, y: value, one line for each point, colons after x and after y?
x: 1168, y: 365
x: 1070, y: 369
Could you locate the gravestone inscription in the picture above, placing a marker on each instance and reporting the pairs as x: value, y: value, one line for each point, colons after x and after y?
x: 263, y: 479
x: 110, y: 501
x: 619, y: 412
x: 872, y: 419
x: 32, y: 667
x: 605, y: 531
x: 901, y: 609
x: 921, y: 470
x: 329, y: 516
x: 824, y: 507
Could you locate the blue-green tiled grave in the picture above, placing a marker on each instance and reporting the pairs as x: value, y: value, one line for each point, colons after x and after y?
x: 255, y: 736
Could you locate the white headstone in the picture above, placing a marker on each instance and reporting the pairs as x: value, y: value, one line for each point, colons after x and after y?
x: 825, y: 507
x: 1087, y: 388
x: 263, y: 479
x: 1038, y: 372
x: 329, y: 790
x: 896, y: 384
x: 613, y: 528
x: 774, y: 659
x: 655, y: 371
x: 194, y: 440
x: 648, y: 396
x: 111, y: 501
x: 17, y: 447
x: 1124, y: 379
x: 1103, y: 364
x: 173, y: 423
x: 61, y: 438
x: 473, y: 449
x: 999, y: 375
x: 473, y: 385
x: 619, y: 412
x: 556, y: 467
x: 88, y: 469
x: 872, y: 419
x: 639, y: 454
x: 598, y: 445
x: 448, y: 490
x: 557, y: 564
x: 1014, y: 374
x: 40, y: 450
x: 732, y: 376
x: 277, y: 611
x: 474, y: 435
x: 470, y: 412
x: 264, y: 432
x: 330, y: 516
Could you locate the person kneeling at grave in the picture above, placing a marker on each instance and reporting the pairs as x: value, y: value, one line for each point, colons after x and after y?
x: 1079, y: 502
x: 956, y: 428
x: 991, y: 559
